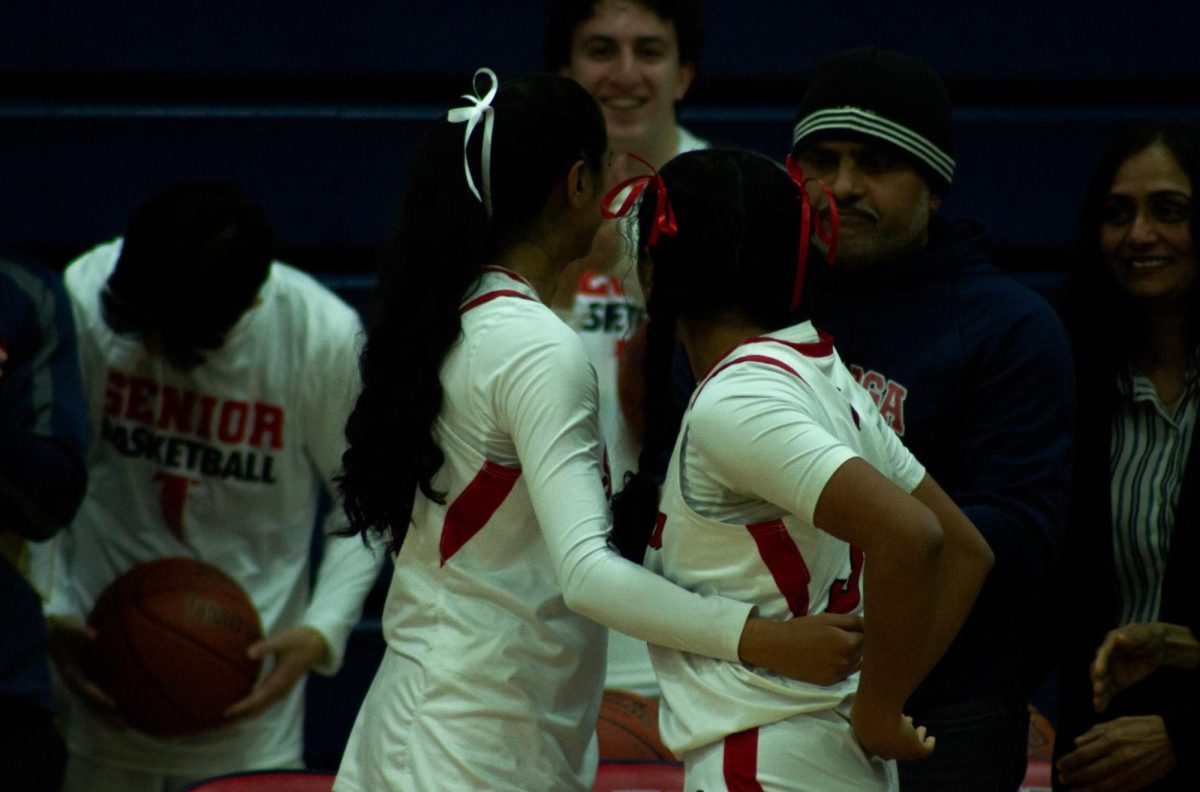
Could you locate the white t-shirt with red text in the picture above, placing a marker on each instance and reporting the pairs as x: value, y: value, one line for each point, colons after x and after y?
x: 225, y: 464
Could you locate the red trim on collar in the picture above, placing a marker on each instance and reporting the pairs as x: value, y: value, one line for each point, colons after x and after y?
x: 822, y: 347
x: 509, y: 273
x: 492, y: 295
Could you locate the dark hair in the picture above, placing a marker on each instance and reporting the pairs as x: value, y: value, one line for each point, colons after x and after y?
x: 564, y: 16
x: 192, y: 261
x: 738, y: 218
x: 1103, y: 318
x: 543, y: 126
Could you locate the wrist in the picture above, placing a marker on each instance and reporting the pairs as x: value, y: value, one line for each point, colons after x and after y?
x: 1181, y: 649
x: 875, y: 707
x: 755, y: 637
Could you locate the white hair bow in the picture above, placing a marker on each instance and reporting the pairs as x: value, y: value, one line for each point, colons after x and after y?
x: 480, y: 108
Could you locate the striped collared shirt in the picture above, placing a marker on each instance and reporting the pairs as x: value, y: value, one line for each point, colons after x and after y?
x: 1149, y: 450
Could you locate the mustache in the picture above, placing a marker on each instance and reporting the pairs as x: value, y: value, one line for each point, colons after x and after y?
x: 846, y: 211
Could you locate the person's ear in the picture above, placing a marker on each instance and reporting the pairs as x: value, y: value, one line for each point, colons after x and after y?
x: 687, y: 73
x: 935, y: 202
x: 580, y: 185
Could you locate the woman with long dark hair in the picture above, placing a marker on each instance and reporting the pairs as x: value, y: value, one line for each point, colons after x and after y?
x: 784, y: 486
x: 475, y: 447
x: 1133, y: 540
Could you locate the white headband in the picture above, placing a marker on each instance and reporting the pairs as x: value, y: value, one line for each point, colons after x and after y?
x: 481, y: 107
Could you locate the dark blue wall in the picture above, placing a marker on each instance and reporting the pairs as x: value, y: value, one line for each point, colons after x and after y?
x: 1064, y: 39
x: 314, y: 105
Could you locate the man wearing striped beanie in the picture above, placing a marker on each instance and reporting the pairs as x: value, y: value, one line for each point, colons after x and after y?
x: 969, y: 367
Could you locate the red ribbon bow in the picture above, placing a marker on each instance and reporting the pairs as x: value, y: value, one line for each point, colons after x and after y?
x: 664, y: 215
x: 810, y: 219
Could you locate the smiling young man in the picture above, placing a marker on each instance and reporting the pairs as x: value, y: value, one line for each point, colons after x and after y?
x: 971, y: 369
x: 638, y: 60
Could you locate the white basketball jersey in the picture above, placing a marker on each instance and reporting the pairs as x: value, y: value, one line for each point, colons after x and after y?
x: 764, y: 432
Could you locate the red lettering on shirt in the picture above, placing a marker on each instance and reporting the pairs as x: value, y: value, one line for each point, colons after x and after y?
x: 232, y: 426
x: 188, y: 413
x: 177, y: 410
x: 140, y: 403
x: 268, y: 422
x: 595, y: 284
x: 208, y: 406
x: 892, y: 406
x: 888, y: 395
x: 875, y: 384
x: 114, y: 393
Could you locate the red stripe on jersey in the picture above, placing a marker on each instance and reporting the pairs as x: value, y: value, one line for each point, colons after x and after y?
x: 594, y: 284
x: 492, y: 295
x: 475, y: 506
x: 508, y: 273
x: 782, y: 557
x: 822, y: 347
x: 741, y: 762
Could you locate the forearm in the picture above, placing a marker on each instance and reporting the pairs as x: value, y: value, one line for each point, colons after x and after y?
x: 896, y: 653
x: 348, y: 570
x: 626, y: 597
x: 960, y: 573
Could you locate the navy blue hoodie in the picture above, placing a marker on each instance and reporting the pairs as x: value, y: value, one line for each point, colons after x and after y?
x: 973, y: 370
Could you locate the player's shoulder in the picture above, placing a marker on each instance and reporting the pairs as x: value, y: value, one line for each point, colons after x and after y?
x: 303, y: 288
x: 291, y: 291
x: 523, y: 324
x: 745, y: 379
x: 88, y: 273
x: 84, y: 280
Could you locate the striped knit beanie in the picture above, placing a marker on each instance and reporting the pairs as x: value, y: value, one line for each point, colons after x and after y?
x: 886, y: 95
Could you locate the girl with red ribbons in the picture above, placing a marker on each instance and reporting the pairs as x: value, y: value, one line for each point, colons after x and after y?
x: 475, y: 447
x: 785, y: 488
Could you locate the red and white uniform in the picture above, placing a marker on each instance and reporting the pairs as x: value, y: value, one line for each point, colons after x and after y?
x: 226, y: 464
x: 493, y: 673
x: 765, y: 431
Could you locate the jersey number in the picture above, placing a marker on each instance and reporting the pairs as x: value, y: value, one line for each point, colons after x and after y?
x: 845, y: 593
x: 656, y: 538
x: 171, y: 499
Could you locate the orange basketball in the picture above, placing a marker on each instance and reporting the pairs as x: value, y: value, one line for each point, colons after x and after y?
x: 171, y: 647
x: 628, y: 728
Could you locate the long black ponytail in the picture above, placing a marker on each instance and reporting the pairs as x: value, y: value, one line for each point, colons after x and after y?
x: 542, y: 126
x: 738, y: 218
